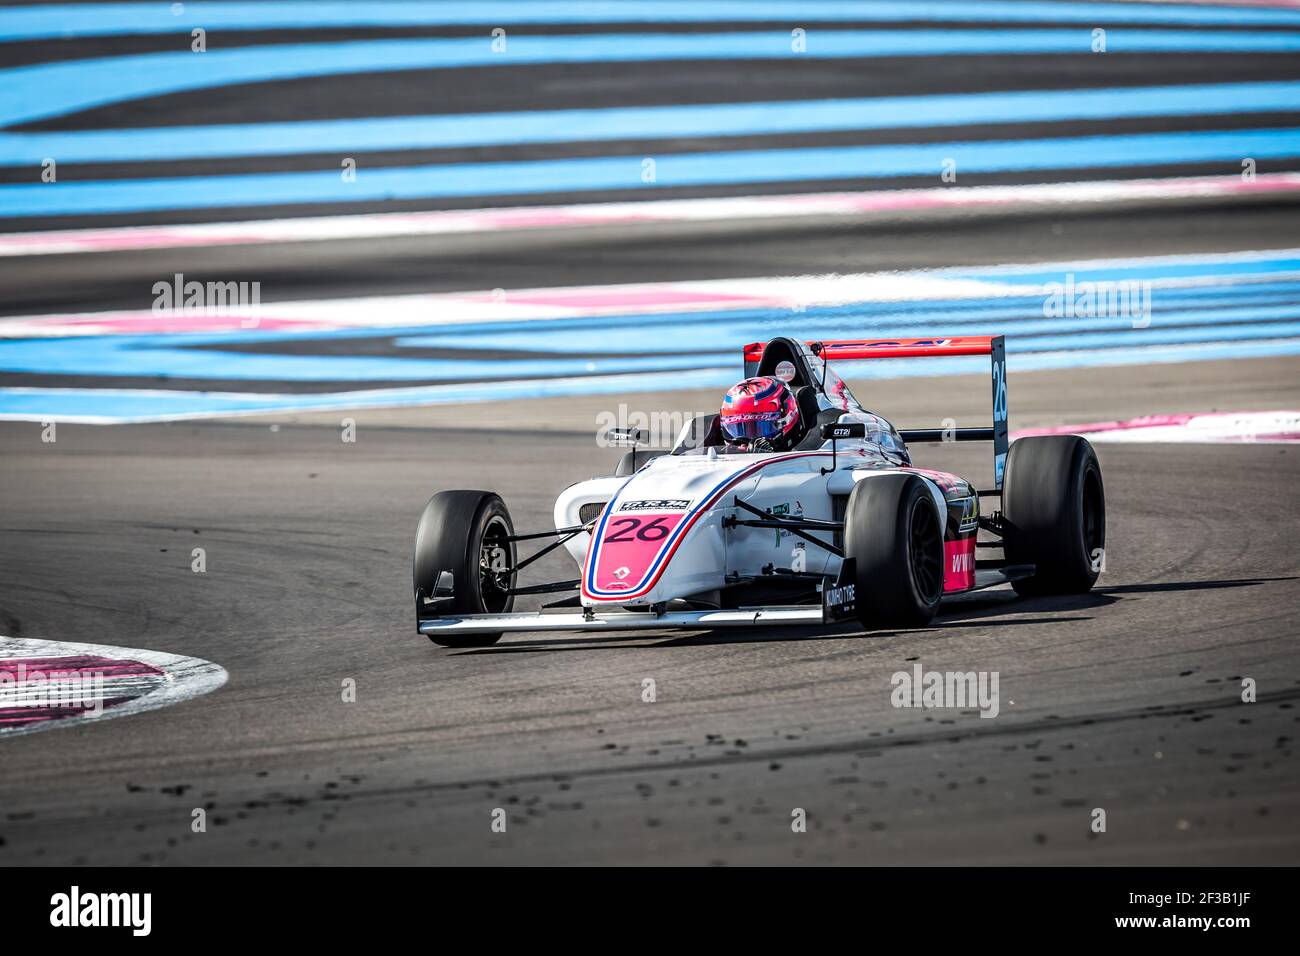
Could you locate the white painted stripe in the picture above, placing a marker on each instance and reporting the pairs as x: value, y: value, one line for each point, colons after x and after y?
x: 793, y: 293
x: 881, y: 205
x: 458, y: 308
x: 1276, y: 427
x: 184, y: 678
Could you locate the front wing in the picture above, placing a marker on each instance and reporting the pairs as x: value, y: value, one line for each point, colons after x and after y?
x: 621, y: 620
x: 837, y: 606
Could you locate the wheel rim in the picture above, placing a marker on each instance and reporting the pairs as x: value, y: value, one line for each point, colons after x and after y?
x: 927, y: 565
x: 1094, y: 515
x: 495, y: 566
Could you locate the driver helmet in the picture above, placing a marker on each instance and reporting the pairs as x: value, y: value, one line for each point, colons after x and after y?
x: 760, y: 412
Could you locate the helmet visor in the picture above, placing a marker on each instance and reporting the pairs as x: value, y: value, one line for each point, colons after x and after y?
x: 748, y: 426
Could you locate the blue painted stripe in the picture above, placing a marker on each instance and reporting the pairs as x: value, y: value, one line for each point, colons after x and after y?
x: 1239, y: 279
x: 848, y: 317
x: 967, y: 319
x: 857, y: 318
x: 1239, y: 317
x: 1113, y: 272
x: 112, y: 19
x: 135, y: 403
x: 353, y: 136
x: 31, y: 93
x: 174, y: 356
x: 132, y: 405
x: 129, y: 355
x: 625, y: 172
x: 1156, y: 334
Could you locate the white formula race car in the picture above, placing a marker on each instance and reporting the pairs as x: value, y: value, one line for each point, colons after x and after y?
x: 840, y: 527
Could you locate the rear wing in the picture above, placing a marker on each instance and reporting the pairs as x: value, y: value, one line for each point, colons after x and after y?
x: 990, y: 345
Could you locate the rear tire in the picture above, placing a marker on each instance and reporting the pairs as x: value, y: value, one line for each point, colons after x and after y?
x: 1054, y: 505
x: 893, y: 531
x: 461, y: 532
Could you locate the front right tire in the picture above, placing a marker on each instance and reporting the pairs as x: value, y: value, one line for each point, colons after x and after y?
x: 466, y: 533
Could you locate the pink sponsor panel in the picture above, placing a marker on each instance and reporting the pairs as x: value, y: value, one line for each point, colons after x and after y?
x: 959, y: 564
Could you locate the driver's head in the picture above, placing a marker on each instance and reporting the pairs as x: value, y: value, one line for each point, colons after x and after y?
x: 761, y: 413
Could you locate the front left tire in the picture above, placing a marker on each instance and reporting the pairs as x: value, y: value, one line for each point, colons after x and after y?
x: 893, y: 531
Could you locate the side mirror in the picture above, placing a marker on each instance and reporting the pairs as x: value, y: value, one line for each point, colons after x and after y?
x: 626, y: 436
x: 837, y: 431
x: 833, y: 431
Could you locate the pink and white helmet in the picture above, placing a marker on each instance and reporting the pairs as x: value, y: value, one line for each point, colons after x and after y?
x: 760, y: 408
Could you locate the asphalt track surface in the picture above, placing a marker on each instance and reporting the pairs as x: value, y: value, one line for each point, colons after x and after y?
x: 1127, y: 699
